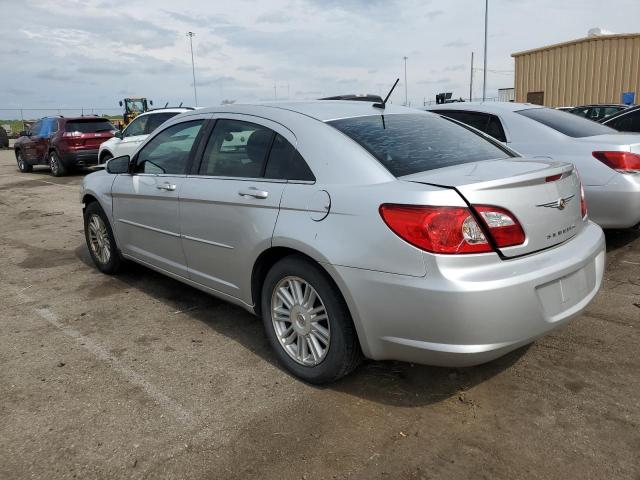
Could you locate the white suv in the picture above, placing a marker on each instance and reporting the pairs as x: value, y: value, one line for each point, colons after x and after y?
x: 127, y: 141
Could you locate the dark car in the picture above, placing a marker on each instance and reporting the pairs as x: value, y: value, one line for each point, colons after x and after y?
x: 597, y: 113
x: 625, y: 121
x: 62, y: 143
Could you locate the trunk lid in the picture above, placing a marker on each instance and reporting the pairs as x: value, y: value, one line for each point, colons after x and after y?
x: 547, y: 208
x: 629, y: 142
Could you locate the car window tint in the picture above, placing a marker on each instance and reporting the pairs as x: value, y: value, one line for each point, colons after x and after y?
x: 489, y: 124
x: 154, y: 120
x: 168, y: 152
x: 566, y: 123
x: 286, y: 163
x: 136, y: 127
x: 89, y: 126
x: 629, y: 122
x: 236, y: 149
x: 412, y: 143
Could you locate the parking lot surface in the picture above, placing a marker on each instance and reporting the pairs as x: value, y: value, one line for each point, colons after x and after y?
x: 139, y: 376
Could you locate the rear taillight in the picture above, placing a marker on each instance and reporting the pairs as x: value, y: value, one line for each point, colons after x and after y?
x: 452, y: 230
x: 623, y: 162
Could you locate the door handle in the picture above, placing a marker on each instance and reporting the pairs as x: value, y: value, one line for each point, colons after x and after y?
x: 169, y: 187
x: 253, y: 192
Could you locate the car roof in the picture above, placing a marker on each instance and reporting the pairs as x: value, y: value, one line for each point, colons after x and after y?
x: 167, y: 110
x: 489, y: 107
x: 322, y: 110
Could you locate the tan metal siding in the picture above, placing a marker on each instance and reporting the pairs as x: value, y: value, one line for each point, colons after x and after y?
x: 591, y: 70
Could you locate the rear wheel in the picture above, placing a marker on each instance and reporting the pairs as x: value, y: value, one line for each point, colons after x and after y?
x: 100, y: 240
x: 23, y: 166
x: 307, y: 322
x: 57, y: 167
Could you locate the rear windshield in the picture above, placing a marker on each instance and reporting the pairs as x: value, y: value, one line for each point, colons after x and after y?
x: 412, y: 143
x: 568, y: 123
x: 89, y: 126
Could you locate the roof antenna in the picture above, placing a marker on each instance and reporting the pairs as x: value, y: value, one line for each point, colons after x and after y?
x: 166, y: 105
x: 384, y: 102
x: 180, y: 104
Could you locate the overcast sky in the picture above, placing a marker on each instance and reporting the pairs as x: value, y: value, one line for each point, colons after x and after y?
x: 93, y: 53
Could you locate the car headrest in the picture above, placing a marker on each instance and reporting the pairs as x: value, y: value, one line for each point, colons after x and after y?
x: 258, y: 144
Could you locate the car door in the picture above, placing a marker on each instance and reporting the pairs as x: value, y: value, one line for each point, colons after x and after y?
x: 29, y: 146
x: 228, y: 209
x: 132, y: 136
x: 146, y: 202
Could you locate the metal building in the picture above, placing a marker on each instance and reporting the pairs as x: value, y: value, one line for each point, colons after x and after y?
x: 595, y: 69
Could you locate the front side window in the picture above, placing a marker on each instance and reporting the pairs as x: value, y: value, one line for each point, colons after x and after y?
x: 286, y: 163
x: 157, y: 119
x: 36, y: 128
x: 412, y: 143
x: 168, y: 152
x: 566, y: 123
x: 236, y: 149
x: 49, y: 127
x: 136, y: 127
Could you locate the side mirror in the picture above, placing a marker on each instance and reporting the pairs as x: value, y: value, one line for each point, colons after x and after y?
x: 118, y: 134
x: 120, y: 102
x: 118, y: 165
x: 151, y: 102
x: 24, y: 133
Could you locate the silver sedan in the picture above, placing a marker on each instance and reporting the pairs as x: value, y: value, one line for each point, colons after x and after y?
x: 608, y: 161
x: 353, y: 230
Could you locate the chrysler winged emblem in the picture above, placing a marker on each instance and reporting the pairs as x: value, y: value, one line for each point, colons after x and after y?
x: 559, y: 204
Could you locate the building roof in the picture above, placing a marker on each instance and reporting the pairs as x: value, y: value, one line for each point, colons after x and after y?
x: 577, y: 41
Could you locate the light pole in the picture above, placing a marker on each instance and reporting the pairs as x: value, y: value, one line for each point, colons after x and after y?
x: 193, y: 67
x: 405, y: 81
x: 486, y: 21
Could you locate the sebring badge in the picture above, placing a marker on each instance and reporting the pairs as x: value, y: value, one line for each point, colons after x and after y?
x: 559, y: 204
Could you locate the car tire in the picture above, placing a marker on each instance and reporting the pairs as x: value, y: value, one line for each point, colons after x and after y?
x: 99, y: 236
x: 105, y: 158
x: 318, y: 319
x: 57, y: 167
x: 4, y: 138
x: 23, y: 166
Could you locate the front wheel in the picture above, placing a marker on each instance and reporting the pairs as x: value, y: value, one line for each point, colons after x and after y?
x: 105, y: 158
x: 307, y: 322
x: 23, y: 166
x: 100, y: 240
x: 56, y: 165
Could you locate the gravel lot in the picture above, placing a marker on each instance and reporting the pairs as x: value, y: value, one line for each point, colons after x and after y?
x: 139, y: 376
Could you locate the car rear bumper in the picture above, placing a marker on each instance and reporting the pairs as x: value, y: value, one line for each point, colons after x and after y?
x: 80, y: 158
x: 472, y: 309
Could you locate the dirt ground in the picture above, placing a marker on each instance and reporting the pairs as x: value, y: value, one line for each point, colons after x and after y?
x: 138, y: 376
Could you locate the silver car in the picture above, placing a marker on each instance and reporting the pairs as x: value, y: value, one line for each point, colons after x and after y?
x: 353, y: 230
x: 608, y: 161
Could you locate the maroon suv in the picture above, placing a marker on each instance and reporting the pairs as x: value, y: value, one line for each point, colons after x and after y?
x: 62, y: 143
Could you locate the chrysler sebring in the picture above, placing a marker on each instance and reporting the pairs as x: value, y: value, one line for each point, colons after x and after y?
x: 353, y: 229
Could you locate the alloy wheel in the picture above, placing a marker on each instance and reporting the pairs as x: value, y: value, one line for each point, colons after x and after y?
x: 99, y: 239
x: 53, y: 163
x: 300, y: 321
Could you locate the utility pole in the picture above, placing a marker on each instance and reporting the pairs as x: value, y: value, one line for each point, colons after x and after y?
x: 486, y: 22
x: 471, y: 81
x: 193, y: 67
x: 406, y: 104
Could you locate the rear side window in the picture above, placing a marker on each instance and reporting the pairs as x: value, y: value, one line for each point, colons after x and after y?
x: 88, y: 126
x: 154, y: 120
x: 412, y: 143
x: 286, y: 163
x: 489, y: 124
x: 566, y: 123
x: 629, y: 122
